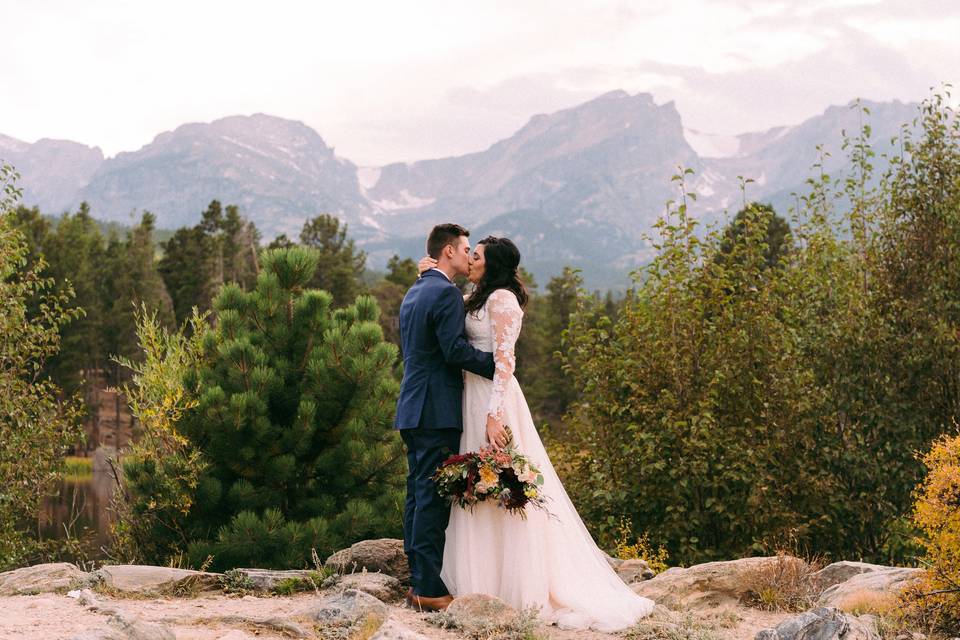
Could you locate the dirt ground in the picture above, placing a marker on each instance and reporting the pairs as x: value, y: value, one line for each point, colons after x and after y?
x: 208, y: 617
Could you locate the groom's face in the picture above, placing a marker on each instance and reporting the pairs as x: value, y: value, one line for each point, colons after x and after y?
x: 460, y: 261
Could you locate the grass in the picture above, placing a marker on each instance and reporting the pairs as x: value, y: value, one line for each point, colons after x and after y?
x: 310, y: 582
x: 786, y: 584
x: 77, y: 468
x: 670, y: 625
x: 872, y: 602
x: 523, y: 626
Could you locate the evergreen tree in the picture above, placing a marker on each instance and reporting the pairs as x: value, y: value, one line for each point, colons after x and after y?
x: 294, y: 420
x: 198, y: 260
x: 547, y: 387
x: 281, y: 242
x: 136, y: 283
x: 389, y: 293
x: 340, y: 264
x: 777, y: 242
x: 183, y: 268
x: 76, y: 252
x: 401, y: 272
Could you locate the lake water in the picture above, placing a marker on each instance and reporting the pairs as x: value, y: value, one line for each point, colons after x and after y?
x: 81, y: 506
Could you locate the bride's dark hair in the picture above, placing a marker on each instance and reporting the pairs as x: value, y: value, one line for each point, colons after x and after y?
x: 501, y: 259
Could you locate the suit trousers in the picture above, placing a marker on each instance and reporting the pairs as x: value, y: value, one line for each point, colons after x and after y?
x: 426, y: 513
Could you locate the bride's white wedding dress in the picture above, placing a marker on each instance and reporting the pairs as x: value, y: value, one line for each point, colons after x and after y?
x: 548, y: 560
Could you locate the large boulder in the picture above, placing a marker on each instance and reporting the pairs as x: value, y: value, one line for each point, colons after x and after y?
x: 55, y: 577
x: 379, y: 585
x: 823, y: 623
x: 703, y: 586
x: 269, y: 579
x: 842, y: 571
x: 878, y: 583
x: 347, y: 607
x: 147, y: 580
x: 384, y: 555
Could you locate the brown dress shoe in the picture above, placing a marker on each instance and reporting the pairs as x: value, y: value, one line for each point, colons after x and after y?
x: 426, y: 603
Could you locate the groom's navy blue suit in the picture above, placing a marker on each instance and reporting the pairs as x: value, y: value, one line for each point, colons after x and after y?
x: 429, y: 415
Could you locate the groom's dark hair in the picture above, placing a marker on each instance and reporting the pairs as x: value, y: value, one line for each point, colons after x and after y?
x: 442, y: 235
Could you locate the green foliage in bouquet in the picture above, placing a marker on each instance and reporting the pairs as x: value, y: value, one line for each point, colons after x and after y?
x: 294, y: 421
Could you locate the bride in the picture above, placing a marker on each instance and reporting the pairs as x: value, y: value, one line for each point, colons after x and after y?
x: 549, y: 559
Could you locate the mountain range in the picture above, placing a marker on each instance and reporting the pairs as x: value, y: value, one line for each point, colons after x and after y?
x: 580, y: 187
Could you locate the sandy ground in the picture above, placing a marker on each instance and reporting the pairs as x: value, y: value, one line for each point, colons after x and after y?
x: 51, y: 616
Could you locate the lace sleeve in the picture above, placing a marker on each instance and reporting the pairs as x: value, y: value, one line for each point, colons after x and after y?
x: 506, y: 317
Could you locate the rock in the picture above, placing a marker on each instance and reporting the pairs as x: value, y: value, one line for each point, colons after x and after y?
x: 236, y: 634
x: 56, y: 577
x: 384, y: 555
x: 147, y: 580
x: 631, y: 571
x: 885, y: 581
x: 480, y: 611
x: 393, y: 630
x: 268, y: 579
x: 823, y: 623
x: 613, y: 562
x: 285, y: 627
x: 98, y: 634
x: 842, y: 571
x: 379, y: 585
x: 347, y: 607
x: 701, y: 586
x: 134, y: 628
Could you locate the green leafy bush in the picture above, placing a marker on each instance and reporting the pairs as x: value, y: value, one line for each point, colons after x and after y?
x: 37, y: 424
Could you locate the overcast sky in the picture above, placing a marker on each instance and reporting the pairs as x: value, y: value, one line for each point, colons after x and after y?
x: 387, y: 81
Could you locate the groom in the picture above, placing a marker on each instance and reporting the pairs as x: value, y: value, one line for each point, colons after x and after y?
x: 429, y: 418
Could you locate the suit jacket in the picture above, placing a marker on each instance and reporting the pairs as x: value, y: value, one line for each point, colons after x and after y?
x: 435, y: 350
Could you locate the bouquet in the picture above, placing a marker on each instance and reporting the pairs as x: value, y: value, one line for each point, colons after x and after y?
x: 505, y: 476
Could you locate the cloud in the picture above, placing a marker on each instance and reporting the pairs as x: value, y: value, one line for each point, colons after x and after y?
x: 392, y: 81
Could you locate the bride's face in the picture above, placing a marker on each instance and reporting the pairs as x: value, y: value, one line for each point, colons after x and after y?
x: 476, y: 265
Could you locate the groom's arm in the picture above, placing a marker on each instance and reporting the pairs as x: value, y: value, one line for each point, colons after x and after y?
x: 448, y: 317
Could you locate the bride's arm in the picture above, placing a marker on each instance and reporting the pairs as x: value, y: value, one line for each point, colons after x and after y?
x: 506, y: 317
x: 426, y: 263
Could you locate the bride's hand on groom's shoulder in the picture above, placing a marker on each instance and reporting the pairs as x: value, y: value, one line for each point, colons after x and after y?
x: 426, y: 263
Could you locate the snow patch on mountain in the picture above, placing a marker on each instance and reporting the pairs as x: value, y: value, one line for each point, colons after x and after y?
x: 405, y: 200
x: 368, y: 177
x: 712, y: 145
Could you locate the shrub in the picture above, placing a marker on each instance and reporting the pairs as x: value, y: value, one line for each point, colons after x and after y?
x: 937, y: 513
x: 787, y: 584
x: 37, y: 424
x: 161, y: 470
x: 639, y: 548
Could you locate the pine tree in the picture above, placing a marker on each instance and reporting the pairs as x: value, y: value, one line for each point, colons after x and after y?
x: 198, y: 260
x: 136, y: 283
x: 295, y: 421
x: 76, y: 252
x: 340, y: 264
